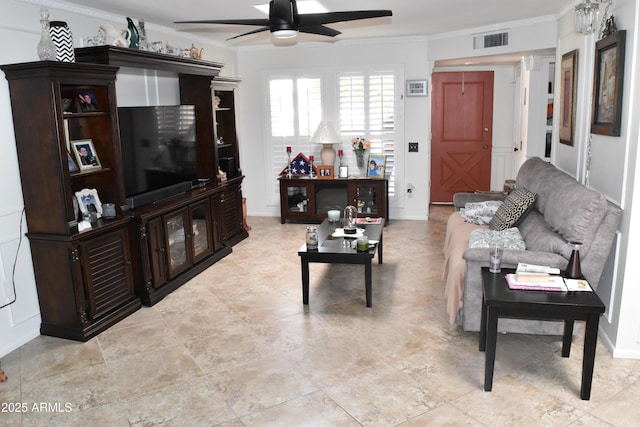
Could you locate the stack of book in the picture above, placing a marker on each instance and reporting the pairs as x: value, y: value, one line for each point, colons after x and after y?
x: 541, y: 278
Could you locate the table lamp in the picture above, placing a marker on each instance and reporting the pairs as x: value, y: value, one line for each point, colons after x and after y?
x: 326, y: 135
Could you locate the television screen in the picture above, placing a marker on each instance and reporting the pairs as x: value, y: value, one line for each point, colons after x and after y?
x: 158, y: 147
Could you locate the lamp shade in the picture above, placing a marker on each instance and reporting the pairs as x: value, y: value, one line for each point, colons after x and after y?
x: 326, y: 134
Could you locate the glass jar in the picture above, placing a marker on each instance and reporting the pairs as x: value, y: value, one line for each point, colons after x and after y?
x: 363, y: 244
x: 349, y: 217
x: 311, y: 237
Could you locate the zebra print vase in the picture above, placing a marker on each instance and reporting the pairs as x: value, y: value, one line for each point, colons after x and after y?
x: 63, y: 40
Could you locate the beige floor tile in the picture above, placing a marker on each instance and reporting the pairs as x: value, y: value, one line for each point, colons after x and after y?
x: 189, y: 404
x: 143, y: 373
x: 262, y: 384
x: 445, y: 415
x: 383, y: 397
x: 314, y: 409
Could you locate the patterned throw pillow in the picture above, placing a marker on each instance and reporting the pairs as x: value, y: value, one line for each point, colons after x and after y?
x: 513, y: 209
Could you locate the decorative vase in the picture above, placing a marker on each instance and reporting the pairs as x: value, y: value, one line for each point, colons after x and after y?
x: 46, y: 48
x: 63, y: 41
x: 360, y: 161
x: 573, y: 270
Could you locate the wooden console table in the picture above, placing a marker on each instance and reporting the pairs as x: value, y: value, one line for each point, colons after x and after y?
x: 309, y: 200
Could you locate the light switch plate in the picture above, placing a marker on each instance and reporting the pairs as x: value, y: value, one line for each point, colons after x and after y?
x: 413, y: 147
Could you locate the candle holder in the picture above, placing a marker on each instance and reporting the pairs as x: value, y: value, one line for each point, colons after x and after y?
x: 311, y: 174
x: 289, y: 174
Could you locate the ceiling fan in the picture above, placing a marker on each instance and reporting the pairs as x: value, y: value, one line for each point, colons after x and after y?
x: 285, y: 22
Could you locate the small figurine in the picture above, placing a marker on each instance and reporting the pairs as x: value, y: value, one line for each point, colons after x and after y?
x: 194, y: 53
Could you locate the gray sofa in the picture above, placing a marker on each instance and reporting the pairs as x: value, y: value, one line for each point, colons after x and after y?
x: 565, y: 211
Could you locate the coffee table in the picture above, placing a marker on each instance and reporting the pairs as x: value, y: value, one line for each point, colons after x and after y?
x: 332, y: 250
x: 500, y: 301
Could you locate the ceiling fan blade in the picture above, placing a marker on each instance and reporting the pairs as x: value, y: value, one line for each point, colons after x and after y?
x: 261, y: 22
x: 310, y: 19
x: 259, y: 30
x: 320, y: 30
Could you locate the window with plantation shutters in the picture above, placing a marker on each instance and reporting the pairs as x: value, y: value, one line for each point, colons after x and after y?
x: 295, y: 105
x: 361, y: 103
x: 368, y: 110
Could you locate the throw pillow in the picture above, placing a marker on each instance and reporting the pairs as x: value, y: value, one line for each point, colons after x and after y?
x: 513, y: 209
x: 484, y: 238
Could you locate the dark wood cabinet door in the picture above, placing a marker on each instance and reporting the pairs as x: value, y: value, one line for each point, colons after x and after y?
x: 106, y: 263
x: 157, y: 253
x: 231, y: 200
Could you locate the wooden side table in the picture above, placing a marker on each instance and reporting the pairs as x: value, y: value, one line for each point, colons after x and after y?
x: 500, y: 301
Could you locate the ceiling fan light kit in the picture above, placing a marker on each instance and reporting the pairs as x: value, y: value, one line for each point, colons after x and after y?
x: 285, y: 22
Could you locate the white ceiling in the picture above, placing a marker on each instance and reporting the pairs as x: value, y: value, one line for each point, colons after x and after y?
x: 410, y: 17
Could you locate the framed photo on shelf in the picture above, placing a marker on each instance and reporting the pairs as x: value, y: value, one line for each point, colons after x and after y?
x: 568, y: 86
x: 417, y: 88
x: 87, y: 197
x: 85, y: 154
x: 376, y: 165
x: 86, y: 101
x: 343, y: 171
x: 325, y: 172
x: 606, y: 114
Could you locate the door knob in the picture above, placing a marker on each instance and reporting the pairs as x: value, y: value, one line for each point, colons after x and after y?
x: 486, y: 129
x: 485, y: 146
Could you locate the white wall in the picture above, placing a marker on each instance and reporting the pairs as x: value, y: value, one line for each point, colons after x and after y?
x: 20, y: 32
x: 612, y: 172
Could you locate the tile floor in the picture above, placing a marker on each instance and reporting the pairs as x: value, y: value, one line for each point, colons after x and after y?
x: 236, y: 347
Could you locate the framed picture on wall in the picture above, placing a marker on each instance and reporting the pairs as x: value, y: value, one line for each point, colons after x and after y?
x: 607, y: 85
x: 417, y: 87
x: 568, y: 83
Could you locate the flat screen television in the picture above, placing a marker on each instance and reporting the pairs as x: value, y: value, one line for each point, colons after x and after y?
x: 158, y: 146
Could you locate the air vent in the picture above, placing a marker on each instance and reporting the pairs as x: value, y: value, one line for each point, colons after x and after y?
x: 483, y: 41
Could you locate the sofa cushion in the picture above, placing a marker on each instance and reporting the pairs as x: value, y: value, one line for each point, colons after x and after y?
x: 513, y: 209
x: 485, y: 238
x: 539, y: 237
x: 575, y: 212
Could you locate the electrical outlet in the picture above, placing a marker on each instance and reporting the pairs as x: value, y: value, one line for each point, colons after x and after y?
x: 413, y: 147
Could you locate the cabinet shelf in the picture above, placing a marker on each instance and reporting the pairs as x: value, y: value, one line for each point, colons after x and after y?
x: 84, y: 174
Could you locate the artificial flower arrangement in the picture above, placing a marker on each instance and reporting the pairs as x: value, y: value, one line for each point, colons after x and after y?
x: 360, y: 145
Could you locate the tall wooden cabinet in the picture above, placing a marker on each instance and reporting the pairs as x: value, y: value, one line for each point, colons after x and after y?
x: 88, y: 280
x: 84, y: 279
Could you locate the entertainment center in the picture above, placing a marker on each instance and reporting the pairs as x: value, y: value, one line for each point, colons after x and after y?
x: 174, y: 215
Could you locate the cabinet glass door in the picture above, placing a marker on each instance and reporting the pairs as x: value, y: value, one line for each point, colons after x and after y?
x: 200, y: 230
x: 176, y: 242
x: 297, y: 199
x: 367, y: 201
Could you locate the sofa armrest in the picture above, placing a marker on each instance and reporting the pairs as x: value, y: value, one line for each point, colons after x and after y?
x: 461, y: 199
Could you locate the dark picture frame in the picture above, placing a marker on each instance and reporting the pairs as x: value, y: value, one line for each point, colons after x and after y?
x: 606, y: 117
x: 86, y: 101
x: 325, y: 172
x: 568, y: 90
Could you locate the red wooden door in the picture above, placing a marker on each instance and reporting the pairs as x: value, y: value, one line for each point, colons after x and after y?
x: 461, y: 128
